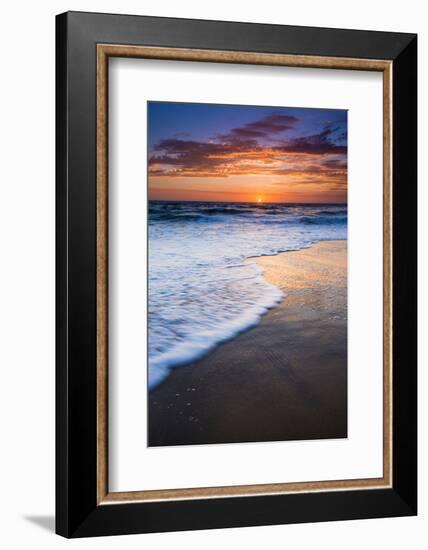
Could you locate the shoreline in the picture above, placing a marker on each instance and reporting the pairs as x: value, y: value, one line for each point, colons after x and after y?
x: 283, y: 379
x: 247, y: 325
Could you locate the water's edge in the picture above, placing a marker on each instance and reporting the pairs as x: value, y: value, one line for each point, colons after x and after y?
x: 189, y: 352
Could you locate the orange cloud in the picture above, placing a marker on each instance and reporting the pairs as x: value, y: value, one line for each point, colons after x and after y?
x: 241, y: 165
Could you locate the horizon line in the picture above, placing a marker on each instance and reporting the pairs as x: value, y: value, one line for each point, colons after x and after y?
x: 252, y: 202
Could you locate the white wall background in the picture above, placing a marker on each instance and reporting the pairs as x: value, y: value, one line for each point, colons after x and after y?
x: 27, y: 272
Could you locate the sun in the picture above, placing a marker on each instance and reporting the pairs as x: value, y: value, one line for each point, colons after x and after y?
x: 259, y: 200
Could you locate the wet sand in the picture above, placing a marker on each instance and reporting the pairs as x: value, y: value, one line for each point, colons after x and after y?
x: 285, y: 379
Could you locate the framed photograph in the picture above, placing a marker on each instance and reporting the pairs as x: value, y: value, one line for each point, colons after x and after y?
x: 236, y: 274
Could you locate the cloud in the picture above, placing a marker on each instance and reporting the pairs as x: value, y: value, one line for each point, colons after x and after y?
x: 189, y: 158
x: 335, y: 163
x: 269, y: 125
x: 243, y: 151
x: 317, y: 144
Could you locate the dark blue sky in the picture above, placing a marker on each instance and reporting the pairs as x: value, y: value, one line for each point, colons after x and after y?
x: 202, y: 121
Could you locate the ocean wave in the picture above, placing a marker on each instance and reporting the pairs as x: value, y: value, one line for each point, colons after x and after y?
x: 196, y: 301
x: 332, y: 213
x: 323, y: 220
x: 244, y: 218
x: 202, y: 342
x: 229, y: 211
x: 181, y: 217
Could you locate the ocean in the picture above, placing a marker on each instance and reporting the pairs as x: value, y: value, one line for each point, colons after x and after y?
x: 203, y: 287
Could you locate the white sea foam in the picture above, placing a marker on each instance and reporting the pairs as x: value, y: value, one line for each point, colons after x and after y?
x: 201, y: 290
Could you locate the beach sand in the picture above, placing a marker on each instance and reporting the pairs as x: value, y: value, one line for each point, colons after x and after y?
x: 285, y: 379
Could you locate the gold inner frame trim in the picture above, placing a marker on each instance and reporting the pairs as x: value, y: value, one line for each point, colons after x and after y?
x: 104, y: 51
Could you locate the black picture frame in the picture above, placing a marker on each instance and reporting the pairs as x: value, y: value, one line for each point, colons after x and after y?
x: 78, y: 513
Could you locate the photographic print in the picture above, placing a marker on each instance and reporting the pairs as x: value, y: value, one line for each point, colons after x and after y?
x: 247, y: 273
x: 228, y: 342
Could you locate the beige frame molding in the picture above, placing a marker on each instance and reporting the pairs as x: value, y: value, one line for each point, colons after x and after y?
x: 104, y: 52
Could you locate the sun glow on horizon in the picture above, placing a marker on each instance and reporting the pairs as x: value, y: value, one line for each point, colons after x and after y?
x: 229, y: 153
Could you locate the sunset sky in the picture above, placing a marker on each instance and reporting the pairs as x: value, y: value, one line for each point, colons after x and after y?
x: 207, y: 152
